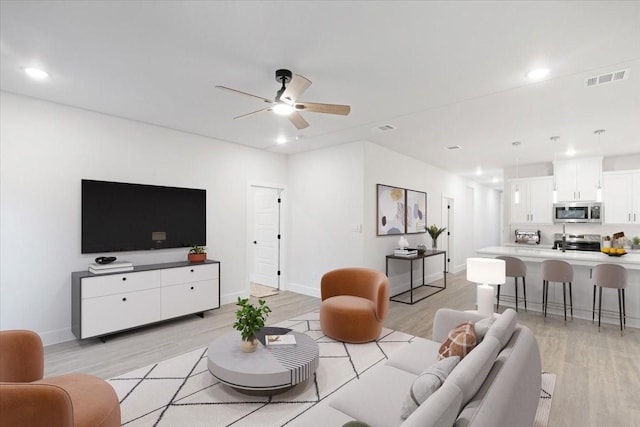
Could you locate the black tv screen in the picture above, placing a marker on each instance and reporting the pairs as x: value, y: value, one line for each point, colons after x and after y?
x: 120, y: 217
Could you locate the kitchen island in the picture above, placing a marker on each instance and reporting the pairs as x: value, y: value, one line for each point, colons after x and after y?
x: 582, y: 263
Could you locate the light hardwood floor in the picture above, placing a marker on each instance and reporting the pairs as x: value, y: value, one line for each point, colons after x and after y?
x: 598, y: 372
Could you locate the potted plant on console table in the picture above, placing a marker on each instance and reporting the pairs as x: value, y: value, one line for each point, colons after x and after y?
x: 249, y: 320
x: 197, y: 254
x: 435, y: 231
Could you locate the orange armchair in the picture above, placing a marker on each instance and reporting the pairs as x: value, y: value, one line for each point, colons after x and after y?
x: 26, y: 399
x: 355, y: 301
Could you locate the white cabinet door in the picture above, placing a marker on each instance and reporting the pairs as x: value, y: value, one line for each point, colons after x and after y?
x: 541, y: 200
x: 111, y: 313
x: 188, y: 298
x: 519, y: 211
x: 588, y: 178
x: 565, y: 174
x: 617, y: 198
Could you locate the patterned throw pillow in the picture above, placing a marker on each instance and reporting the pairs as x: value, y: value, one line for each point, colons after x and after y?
x: 427, y: 383
x: 460, y: 341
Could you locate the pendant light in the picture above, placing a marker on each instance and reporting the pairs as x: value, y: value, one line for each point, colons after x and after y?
x: 516, y: 193
x: 555, y: 188
x: 599, y: 189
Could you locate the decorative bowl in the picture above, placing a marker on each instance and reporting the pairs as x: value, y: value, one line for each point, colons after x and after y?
x: 618, y: 255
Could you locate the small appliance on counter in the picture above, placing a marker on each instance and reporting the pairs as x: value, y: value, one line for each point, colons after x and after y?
x: 528, y: 237
x: 577, y: 242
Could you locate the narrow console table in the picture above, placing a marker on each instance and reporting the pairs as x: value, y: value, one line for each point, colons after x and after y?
x: 103, y: 304
x: 421, y: 256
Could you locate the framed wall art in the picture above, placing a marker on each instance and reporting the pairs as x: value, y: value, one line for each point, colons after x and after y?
x: 416, y: 211
x: 390, y: 210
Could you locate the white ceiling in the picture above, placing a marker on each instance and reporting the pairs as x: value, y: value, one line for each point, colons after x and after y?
x: 442, y: 73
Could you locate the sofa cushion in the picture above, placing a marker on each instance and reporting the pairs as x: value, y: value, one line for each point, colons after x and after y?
x: 440, y: 410
x: 460, y: 341
x: 503, y: 327
x: 415, y: 357
x: 473, y: 369
x: 376, y: 398
x: 427, y: 383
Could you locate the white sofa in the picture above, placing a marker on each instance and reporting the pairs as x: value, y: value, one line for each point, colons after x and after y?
x: 497, y: 384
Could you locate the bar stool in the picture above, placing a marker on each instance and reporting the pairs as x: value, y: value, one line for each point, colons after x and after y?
x: 610, y: 276
x: 557, y: 271
x: 515, y: 268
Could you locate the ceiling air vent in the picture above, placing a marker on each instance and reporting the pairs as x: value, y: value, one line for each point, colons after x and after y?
x: 386, y: 127
x: 454, y: 147
x: 607, y: 78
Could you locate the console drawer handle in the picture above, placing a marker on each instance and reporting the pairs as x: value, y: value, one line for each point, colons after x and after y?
x: 124, y: 299
x: 192, y: 288
x: 192, y: 270
x: 124, y: 279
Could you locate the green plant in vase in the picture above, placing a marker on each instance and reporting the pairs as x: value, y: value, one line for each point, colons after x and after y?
x: 635, y: 243
x: 249, y: 320
x: 435, y: 232
x: 197, y: 254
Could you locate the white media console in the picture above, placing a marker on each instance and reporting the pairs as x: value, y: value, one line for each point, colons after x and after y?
x: 107, y: 303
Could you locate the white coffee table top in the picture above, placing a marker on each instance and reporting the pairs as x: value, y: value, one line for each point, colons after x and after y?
x: 269, y: 369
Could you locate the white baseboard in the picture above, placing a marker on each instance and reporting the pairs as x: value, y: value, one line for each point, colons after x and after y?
x: 57, y: 336
x: 303, y: 289
x: 232, y: 298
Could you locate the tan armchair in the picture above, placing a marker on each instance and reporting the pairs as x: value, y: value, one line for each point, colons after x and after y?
x: 355, y: 301
x: 26, y: 399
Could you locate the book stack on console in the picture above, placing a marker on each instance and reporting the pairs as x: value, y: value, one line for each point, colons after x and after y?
x: 113, y: 267
x: 405, y: 252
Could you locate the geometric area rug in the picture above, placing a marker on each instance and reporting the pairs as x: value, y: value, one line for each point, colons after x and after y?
x: 181, y: 392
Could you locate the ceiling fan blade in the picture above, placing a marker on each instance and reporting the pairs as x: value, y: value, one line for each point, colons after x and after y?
x: 314, y: 107
x: 244, y: 93
x: 252, y: 113
x: 298, y: 121
x: 295, y: 88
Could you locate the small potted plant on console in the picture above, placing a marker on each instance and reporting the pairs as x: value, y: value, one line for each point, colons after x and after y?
x: 635, y: 243
x: 197, y: 254
x: 435, y: 231
x: 249, y: 320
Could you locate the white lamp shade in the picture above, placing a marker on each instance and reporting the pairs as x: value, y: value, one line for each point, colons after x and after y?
x: 486, y: 270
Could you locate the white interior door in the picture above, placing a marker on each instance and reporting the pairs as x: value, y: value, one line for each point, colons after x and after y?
x: 266, y: 230
x: 447, y: 221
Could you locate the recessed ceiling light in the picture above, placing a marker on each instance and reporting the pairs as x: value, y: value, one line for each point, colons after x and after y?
x: 281, y: 140
x: 538, y: 73
x: 495, y: 180
x: 36, y: 73
x: 479, y: 171
x: 570, y: 152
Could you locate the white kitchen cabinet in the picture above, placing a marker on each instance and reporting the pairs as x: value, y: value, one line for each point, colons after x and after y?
x: 536, y: 200
x: 621, y: 197
x: 104, y: 304
x: 578, y: 179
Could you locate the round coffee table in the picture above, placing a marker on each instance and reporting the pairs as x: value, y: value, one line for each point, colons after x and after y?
x: 268, y: 370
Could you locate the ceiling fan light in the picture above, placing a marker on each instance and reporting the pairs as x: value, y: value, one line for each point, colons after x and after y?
x: 283, y: 109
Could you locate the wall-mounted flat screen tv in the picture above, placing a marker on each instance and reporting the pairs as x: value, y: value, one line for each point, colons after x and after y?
x: 119, y: 217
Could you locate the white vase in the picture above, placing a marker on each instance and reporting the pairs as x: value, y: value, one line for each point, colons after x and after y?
x: 403, y: 243
x: 249, y: 346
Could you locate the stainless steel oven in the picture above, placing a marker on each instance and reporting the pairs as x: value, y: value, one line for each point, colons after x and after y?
x: 578, y: 212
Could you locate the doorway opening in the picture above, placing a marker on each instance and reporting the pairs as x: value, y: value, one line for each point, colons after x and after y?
x: 447, y: 221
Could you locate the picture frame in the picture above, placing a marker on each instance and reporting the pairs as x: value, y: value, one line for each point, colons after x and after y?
x: 415, y: 211
x: 390, y: 210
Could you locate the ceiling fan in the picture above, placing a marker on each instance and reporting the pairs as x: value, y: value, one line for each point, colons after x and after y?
x: 286, y: 101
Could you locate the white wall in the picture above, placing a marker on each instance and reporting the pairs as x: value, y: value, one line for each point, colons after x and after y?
x: 326, y: 211
x: 333, y: 192
x: 46, y: 149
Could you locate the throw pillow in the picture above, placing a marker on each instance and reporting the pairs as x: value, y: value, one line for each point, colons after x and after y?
x: 482, y: 326
x: 460, y: 341
x: 427, y: 383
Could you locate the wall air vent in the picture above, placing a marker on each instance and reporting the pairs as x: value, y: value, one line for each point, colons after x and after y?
x: 454, y: 147
x: 386, y: 127
x: 614, y: 76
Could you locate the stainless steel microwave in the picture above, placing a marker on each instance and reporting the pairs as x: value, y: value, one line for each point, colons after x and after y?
x: 578, y: 212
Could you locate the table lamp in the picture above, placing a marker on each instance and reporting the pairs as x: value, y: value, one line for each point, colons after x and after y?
x: 485, y: 272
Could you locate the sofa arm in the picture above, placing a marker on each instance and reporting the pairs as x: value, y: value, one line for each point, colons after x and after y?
x: 446, y: 319
x: 34, y: 405
x: 21, y: 356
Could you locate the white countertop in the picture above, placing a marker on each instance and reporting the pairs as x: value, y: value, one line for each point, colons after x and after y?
x: 630, y: 260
